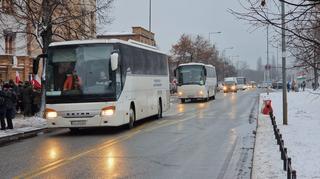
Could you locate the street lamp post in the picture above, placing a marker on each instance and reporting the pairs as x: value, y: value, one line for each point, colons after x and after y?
x: 222, y: 56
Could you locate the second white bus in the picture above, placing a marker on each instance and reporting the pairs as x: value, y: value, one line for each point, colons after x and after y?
x: 196, y: 81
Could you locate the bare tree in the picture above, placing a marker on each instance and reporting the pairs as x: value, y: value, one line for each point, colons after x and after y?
x: 198, y: 49
x: 301, y: 24
x: 45, y: 21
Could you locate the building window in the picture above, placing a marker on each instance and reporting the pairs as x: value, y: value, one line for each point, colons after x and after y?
x: 7, y: 6
x: 10, y: 38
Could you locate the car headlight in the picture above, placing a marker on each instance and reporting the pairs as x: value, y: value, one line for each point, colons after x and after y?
x: 108, y: 111
x: 233, y: 87
x: 51, y: 113
x: 224, y: 88
x: 180, y: 93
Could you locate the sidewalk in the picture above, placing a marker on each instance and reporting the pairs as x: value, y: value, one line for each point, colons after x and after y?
x: 23, y: 127
x: 301, y: 136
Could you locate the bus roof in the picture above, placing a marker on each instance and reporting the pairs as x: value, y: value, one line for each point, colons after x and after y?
x: 108, y: 41
x: 193, y: 63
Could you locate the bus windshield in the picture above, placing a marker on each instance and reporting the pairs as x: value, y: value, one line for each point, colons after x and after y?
x: 80, y: 70
x: 229, y: 83
x: 191, y: 74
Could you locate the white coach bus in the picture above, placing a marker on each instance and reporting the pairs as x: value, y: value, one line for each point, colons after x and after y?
x: 91, y: 83
x: 196, y: 81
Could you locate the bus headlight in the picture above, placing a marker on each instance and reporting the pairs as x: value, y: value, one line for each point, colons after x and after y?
x: 180, y: 93
x: 201, y: 93
x: 225, y: 88
x: 233, y: 87
x: 108, y: 111
x: 51, y: 113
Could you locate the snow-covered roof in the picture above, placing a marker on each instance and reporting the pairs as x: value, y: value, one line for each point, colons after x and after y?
x: 108, y: 41
x: 193, y: 63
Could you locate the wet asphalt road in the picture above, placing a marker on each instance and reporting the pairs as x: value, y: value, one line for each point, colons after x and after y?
x: 193, y: 140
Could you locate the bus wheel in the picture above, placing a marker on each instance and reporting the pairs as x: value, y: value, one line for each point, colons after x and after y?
x: 132, y: 118
x: 208, y: 97
x: 183, y: 100
x: 159, y: 115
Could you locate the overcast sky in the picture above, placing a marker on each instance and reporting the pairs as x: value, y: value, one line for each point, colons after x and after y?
x: 172, y: 18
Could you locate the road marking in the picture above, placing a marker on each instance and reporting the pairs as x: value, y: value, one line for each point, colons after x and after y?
x: 51, y: 166
x: 227, y: 160
x: 169, y: 123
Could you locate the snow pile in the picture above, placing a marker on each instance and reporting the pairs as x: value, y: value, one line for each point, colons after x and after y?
x: 21, y: 125
x: 302, y: 133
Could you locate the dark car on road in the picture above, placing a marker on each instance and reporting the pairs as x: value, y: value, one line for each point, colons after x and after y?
x: 230, y: 86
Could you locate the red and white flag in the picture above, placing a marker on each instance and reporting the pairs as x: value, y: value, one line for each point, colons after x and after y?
x: 17, y: 77
x: 36, y: 82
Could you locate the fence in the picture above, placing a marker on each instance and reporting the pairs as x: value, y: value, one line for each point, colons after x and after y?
x: 291, y: 174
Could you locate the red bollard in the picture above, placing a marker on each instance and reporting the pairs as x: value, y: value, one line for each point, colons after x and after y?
x: 267, y: 107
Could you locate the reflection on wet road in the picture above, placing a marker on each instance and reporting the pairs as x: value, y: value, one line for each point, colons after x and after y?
x: 193, y: 140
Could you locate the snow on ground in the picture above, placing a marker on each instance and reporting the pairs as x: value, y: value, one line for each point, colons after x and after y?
x: 267, y: 163
x: 301, y: 135
x: 21, y: 125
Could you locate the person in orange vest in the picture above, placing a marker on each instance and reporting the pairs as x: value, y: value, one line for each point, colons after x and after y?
x: 72, y: 82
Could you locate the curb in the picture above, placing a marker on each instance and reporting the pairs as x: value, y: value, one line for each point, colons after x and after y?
x: 22, y: 135
x: 255, y: 137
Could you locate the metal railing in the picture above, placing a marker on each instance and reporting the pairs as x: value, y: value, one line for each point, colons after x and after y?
x: 291, y: 174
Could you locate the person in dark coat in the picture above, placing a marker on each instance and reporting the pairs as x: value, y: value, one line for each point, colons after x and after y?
x: 303, y: 85
x: 19, y: 95
x: 36, y: 100
x: 2, y: 109
x: 27, y: 99
x: 13, y: 86
x: 9, y: 111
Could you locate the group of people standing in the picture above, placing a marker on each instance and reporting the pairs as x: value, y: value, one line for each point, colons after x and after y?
x: 22, y: 98
x: 293, y: 86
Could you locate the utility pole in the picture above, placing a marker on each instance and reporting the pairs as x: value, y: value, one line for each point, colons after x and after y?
x: 284, y: 75
x: 277, y: 65
x: 150, y: 15
x: 268, y: 67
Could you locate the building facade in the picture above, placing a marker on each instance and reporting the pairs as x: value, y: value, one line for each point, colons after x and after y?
x: 139, y: 34
x: 18, y: 43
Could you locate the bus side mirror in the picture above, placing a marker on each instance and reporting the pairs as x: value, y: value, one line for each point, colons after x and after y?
x: 35, y: 63
x: 35, y: 66
x: 114, y: 61
x: 205, y: 72
x: 175, y: 72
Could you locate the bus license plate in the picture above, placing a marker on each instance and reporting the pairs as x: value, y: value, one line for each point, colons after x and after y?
x: 78, y: 123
